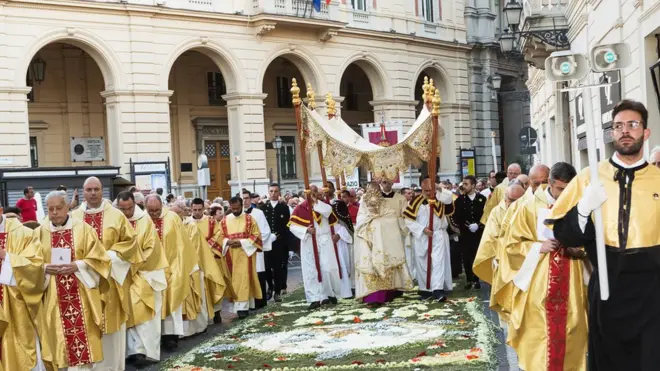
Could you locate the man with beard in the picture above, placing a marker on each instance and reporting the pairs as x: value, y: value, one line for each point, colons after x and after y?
x: 624, y: 330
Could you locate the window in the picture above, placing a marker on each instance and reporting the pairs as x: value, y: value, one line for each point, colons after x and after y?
x: 29, y: 83
x: 359, y: 5
x: 351, y: 97
x: 427, y: 10
x: 284, y: 98
x: 216, y: 88
x: 288, y: 158
x: 34, y: 152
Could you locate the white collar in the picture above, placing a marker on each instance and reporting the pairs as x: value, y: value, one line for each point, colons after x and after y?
x: 87, y: 210
x: 551, y: 200
x: 3, y: 224
x: 617, y: 160
x: 138, y: 213
x: 472, y: 195
x: 67, y: 225
x: 273, y: 203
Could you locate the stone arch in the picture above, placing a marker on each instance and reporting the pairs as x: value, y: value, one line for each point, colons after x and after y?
x: 99, y: 50
x: 304, y: 61
x: 220, y: 55
x: 373, y: 68
x: 440, y: 77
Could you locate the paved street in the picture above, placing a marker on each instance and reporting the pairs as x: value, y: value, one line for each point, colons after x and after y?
x: 507, y: 360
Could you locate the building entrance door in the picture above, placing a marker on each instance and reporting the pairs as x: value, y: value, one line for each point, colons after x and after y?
x: 219, y: 167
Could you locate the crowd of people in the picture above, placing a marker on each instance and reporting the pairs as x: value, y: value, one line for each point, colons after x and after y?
x: 97, y: 282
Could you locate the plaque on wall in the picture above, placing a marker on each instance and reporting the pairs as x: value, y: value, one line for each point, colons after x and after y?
x: 186, y: 167
x: 579, y: 110
x: 609, y: 96
x: 87, y: 149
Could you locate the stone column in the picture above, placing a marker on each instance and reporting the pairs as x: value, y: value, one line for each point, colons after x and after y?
x: 138, y: 127
x: 245, y: 115
x: 395, y: 110
x: 14, y: 127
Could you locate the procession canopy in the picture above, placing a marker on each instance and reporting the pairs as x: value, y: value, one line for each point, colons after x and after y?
x: 345, y: 150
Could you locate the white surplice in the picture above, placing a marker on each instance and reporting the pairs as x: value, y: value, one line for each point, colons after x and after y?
x: 330, y: 285
x: 440, y: 256
x: 267, y: 238
x: 344, y: 247
x: 145, y: 337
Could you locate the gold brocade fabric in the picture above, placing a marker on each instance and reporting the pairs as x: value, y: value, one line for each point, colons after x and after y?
x: 644, y: 205
x: 181, y: 258
x: 380, y: 260
x: 341, y: 154
x: 529, y: 330
x: 21, y: 303
x: 214, y: 241
x: 489, y: 245
x: 214, y: 281
x: 143, y: 302
x: 117, y: 235
x: 49, y: 324
x: 244, y: 279
x: 3, y: 327
x: 494, y: 199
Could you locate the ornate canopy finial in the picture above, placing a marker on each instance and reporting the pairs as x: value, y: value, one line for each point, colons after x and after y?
x: 330, y: 104
x: 431, y: 90
x: 295, y: 91
x: 425, y: 87
x: 311, y: 97
x: 436, y: 103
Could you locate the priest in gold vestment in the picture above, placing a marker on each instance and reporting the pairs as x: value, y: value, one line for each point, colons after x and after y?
x: 148, y: 284
x: 241, y: 241
x: 71, y: 320
x: 118, y: 238
x: 21, y: 289
x: 207, y: 284
x: 380, y: 258
x: 495, y: 197
x: 181, y: 259
x: 548, y: 319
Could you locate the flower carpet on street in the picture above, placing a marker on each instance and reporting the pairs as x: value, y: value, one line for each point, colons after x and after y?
x: 406, y: 334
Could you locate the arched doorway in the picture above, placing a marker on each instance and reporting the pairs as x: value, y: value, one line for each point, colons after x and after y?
x: 66, y: 112
x: 357, y: 91
x: 199, y: 123
x: 280, y: 120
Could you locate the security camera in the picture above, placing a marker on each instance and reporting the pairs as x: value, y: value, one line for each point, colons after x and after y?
x: 566, y: 66
x: 610, y: 57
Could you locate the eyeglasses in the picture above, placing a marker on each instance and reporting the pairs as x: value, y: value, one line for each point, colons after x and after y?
x: 630, y: 125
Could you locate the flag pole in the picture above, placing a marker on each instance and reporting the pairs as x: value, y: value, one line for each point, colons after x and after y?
x: 295, y: 92
x: 603, y: 278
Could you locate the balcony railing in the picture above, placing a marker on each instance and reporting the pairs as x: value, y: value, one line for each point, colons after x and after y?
x: 295, y: 8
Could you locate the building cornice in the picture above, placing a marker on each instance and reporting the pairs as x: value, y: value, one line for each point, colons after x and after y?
x: 649, y: 12
x: 393, y: 102
x: 15, y: 90
x: 137, y: 93
x: 236, y: 96
x: 396, y: 37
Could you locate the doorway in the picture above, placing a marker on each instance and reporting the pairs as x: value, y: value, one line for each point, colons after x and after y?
x: 218, y: 154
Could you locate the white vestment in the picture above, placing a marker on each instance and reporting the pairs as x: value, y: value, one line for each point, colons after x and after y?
x: 267, y: 238
x: 440, y: 263
x: 173, y: 324
x: 410, y: 254
x: 344, y: 247
x: 330, y: 285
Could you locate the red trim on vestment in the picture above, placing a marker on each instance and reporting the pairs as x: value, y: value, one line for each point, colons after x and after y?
x: 556, y: 307
x: 95, y: 221
x: 71, y: 306
x: 158, y: 223
x: 133, y: 223
x: 209, y: 237
x: 3, y: 246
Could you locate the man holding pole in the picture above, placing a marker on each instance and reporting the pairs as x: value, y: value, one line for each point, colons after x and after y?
x: 625, y: 329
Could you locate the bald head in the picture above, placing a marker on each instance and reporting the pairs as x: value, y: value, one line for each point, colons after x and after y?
x: 178, y: 208
x: 93, y: 192
x: 154, y: 205
x: 524, y: 180
x: 513, y: 171
x: 538, y: 175
x: 426, y: 187
x: 513, y: 192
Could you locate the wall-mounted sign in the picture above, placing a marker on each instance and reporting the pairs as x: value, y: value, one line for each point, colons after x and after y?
x: 353, y: 180
x: 468, y: 166
x: 579, y: 110
x: 609, y: 96
x: 150, y: 167
x: 87, y: 149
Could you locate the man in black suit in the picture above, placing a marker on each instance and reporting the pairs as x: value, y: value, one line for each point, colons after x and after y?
x: 277, y: 214
x: 468, y: 209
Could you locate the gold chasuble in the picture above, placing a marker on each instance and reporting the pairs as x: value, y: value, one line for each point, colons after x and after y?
x: 548, y: 319
x: 20, y: 303
x: 181, y: 259
x: 116, y: 234
x: 214, y: 281
x: 71, y: 322
x: 212, y: 232
x: 143, y: 305
x: 3, y: 327
x: 243, y: 268
x: 494, y: 199
x: 483, y: 265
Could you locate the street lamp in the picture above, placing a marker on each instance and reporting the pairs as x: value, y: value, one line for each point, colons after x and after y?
x: 507, y: 41
x: 494, y: 84
x: 277, y: 145
x: 38, y: 69
x: 513, y: 13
